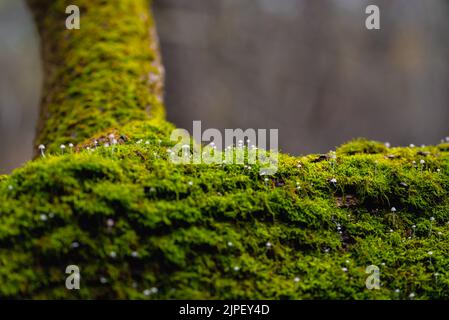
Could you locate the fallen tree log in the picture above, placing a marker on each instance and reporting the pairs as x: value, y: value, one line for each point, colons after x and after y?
x: 139, y: 226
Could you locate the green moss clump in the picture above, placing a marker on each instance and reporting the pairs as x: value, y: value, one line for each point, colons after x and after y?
x: 109, y: 69
x: 223, y: 232
x: 361, y: 145
x: 139, y: 226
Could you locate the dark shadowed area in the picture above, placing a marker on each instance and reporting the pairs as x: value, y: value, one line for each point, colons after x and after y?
x: 309, y: 68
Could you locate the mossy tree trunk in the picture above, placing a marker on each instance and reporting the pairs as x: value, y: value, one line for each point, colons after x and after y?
x: 101, y: 76
x: 139, y: 226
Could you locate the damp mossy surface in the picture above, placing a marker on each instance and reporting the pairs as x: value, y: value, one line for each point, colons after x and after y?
x: 223, y: 231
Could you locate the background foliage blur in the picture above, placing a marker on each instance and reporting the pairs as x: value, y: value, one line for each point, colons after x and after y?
x: 20, y: 84
x: 307, y: 67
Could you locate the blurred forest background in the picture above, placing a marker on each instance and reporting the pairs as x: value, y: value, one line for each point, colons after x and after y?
x: 307, y: 67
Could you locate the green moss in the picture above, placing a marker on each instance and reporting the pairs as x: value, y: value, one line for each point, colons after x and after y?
x: 109, y: 69
x: 361, y: 146
x: 208, y: 239
x: 201, y: 231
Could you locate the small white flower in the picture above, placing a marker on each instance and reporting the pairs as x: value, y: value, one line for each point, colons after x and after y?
x: 391, y: 230
x: 71, y: 145
x: 154, y: 290
x: 414, y: 226
x: 387, y: 144
x: 344, y: 269
x: 146, y: 292
x: 134, y: 254
x: 103, y: 280
x: 297, y: 279
x: 110, y: 223
x: 236, y: 268
x: 62, y: 146
x: 411, y: 295
x: 432, y: 219
x: 190, y: 183
x: 422, y: 161
x: 412, y: 145
x: 393, y: 209
x: 430, y: 253
x: 43, y: 217
x: 333, y: 180
x: 397, y: 290
x: 113, y: 254
x: 10, y: 187
x: 268, y: 244
x: 75, y: 244
x: 230, y: 244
